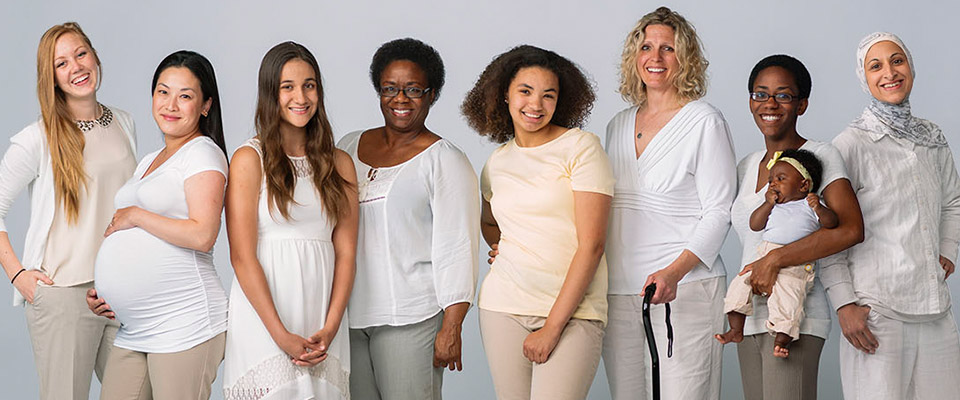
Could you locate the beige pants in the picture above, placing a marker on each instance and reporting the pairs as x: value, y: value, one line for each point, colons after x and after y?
x: 568, y: 372
x: 766, y: 377
x: 785, y: 305
x: 184, y: 375
x: 69, y: 341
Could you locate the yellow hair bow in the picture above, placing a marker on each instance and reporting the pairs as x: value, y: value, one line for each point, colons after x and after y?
x: 792, y: 161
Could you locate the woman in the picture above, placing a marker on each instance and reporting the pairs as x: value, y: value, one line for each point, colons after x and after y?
x: 156, y: 264
x: 673, y: 159
x: 546, y: 195
x: 293, y: 239
x: 779, y: 88
x: 417, y: 248
x: 902, y: 340
x: 74, y: 158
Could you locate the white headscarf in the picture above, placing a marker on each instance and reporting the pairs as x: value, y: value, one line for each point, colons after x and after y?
x: 893, y: 119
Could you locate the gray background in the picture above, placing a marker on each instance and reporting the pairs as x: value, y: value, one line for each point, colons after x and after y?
x: 132, y: 37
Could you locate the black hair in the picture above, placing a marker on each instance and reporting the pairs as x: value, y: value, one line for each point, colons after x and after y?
x: 796, y: 68
x: 211, y: 125
x: 485, y: 107
x: 809, y: 161
x: 415, y: 51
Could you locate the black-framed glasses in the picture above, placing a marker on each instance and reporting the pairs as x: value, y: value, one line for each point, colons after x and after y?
x: 411, y: 92
x: 782, y: 98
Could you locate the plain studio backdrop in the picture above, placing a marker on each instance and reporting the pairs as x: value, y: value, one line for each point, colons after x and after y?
x: 132, y: 37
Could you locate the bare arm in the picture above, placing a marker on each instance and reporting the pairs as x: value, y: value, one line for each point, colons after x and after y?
x: 828, y: 218
x: 591, y: 211
x: 841, y: 198
x: 447, y: 347
x: 488, y: 225
x: 758, y: 219
x: 204, y: 193
x: 345, y: 254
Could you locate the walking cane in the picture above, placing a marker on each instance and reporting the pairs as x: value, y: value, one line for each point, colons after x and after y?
x: 651, y: 341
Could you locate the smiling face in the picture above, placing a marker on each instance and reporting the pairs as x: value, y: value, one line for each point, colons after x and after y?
x: 776, y: 120
x: 298, y: 93
x: 401, y: 113
x: 178, y: 102
x: 888, y: 72
x: 657, y: 58
x: 75, y: 67
x: 532, y: 99
x: 787, y: 182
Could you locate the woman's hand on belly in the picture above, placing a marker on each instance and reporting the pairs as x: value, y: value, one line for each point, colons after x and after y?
x: 98, y: 305
x: 124, y: 218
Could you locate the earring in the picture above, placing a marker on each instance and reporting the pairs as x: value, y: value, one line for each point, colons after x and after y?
x: 204, y: 113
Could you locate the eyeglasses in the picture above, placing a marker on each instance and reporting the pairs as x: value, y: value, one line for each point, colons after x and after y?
x: 410, y: 92
x: 762, y: 97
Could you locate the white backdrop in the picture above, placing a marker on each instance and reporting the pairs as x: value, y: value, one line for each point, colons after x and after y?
x: 132, y: 37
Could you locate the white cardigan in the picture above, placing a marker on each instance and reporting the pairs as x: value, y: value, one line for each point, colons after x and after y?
x: 27, y: 164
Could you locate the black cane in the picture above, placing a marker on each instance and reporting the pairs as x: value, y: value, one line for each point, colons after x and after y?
x: 651, y: 341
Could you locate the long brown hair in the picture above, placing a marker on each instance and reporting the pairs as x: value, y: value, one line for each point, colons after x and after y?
x: 64, y: 138
x: 320, y: 150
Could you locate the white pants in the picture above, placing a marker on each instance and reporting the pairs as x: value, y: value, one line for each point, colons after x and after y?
x: 914, y: 361
x: 694, y: 370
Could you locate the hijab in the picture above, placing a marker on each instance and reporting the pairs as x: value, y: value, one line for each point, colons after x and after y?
x: 894, y: 119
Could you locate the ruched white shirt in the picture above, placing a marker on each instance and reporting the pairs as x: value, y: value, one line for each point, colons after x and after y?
x: 675, y: 196
x: 419, y: 236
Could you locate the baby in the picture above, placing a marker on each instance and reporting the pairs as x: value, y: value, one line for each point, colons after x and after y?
x: 784, y: 218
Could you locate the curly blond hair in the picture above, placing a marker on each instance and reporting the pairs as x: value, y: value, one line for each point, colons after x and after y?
x: 691, y: 81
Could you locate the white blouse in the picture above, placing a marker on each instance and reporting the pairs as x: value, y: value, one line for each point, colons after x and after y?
x: 419, y: 235
x: 817, y: 320
x: 675, y: 196
x: 910, y: 197
x: 167, y: 298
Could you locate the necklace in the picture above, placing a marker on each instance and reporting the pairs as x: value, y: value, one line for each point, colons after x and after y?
x: 106, y: 116
x: 639, y: 135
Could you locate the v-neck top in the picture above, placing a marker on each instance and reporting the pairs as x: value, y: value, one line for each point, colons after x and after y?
x: 817, y: 320
x: 167, y: 298
x: 417, y: 249
x: 676, y: 196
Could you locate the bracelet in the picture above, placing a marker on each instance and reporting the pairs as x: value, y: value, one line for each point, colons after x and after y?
x: 18, y: 274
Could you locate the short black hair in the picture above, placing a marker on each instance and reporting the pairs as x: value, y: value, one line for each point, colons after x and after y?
x: 415, y: 51
x: 796, y: 68
x: 809, y: 161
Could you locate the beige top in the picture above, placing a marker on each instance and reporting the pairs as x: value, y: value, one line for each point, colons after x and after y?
x: 72, y: 248
x: 530, y: 190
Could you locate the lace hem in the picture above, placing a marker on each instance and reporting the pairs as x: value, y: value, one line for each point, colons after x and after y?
x: 277, y: 371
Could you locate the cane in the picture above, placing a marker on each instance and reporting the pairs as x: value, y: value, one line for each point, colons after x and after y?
x: 651, y: 341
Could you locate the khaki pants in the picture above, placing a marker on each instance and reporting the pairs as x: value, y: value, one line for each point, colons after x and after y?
x: 69, y: 341
x: 914, y: 361
x: 766, y: 377
x: 693, y: 373
x: 184, y: 375
x: 785, y: 306
x: 395, y: 362
x: 568, y: 372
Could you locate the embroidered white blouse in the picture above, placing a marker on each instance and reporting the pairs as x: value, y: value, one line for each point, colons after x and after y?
x: 419, y: 236
x: 675, y: 196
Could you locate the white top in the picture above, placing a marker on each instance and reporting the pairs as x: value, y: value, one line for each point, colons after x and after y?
x: 531, y: 195
x: 817, y: 319
x: 297, y: 259
x: 167, y: 298
x: 910, y: 198
x: 108, y: 162
x: 419, y: 232
x: 675, y: 196
x: 790, y: 221
x: 27, y: 164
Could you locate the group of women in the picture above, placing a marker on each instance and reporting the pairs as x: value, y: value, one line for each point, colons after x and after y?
x: 386, y: 224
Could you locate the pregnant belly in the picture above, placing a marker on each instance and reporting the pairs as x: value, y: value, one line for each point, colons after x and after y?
x: 143, y: 277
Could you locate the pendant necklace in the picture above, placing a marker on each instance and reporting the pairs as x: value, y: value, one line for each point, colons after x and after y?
x: 639, y: 134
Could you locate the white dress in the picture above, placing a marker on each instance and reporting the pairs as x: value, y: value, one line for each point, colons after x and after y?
x: 298, y: 260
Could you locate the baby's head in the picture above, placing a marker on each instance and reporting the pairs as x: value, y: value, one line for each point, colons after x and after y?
x: 794, y: 174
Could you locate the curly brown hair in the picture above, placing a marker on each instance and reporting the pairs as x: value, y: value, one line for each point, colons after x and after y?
x: 485, y: 106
